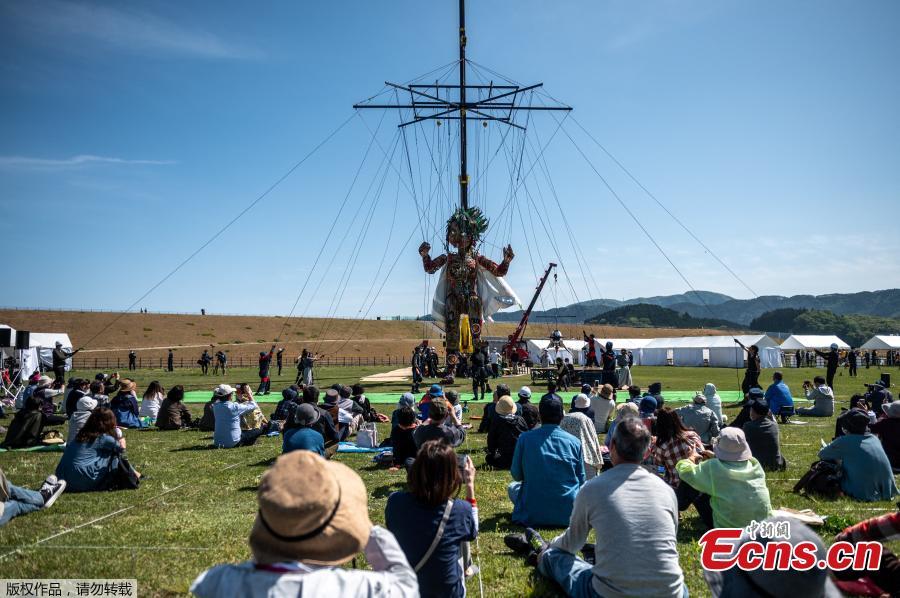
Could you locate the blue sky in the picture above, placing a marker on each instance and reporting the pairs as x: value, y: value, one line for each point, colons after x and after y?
x: 132, y: 132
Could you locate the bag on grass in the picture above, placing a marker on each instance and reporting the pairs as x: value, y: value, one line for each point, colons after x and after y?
x: 367, y: 436
x: 822, y: 479
x: 124, y: 477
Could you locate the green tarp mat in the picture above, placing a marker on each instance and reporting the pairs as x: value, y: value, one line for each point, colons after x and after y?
x: 386, y: 398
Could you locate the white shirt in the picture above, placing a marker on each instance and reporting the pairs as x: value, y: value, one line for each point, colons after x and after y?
x: 494, y: 357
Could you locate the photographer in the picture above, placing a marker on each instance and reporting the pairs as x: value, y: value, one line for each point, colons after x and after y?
x: 433, y: 527
x: 822, y: 397
x: 878, y: 395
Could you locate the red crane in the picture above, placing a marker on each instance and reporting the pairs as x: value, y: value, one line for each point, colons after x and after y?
x: 513, y: 340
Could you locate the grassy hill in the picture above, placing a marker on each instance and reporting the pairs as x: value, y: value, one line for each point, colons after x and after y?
x: 654, y: 316
x: 244, y: 336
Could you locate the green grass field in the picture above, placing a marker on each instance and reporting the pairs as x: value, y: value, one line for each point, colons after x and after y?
x: 199, y: 504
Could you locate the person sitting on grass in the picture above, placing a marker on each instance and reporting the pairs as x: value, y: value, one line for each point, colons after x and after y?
x: 453, y: 402
x: 502, y: 390
x: 79, y: 417
x: 313, y: 517
x: 673, y: 443
x: 858, y: 404
x: 16, y: 501
x: 529, y: 410
x: 754, y: 394
x: 866, y: 470
x: 402, y: 442
x: 290, y: 400
x: 634, y: 395
x: 877, y: 529
x: 547, y: 471
x: 79, y: 388
x: 714, y: 402
x: 623, y: 411
x: 435, y: 392
x: 173, y: 415
x: 125, y: 406
x: 152, y: 400
x: 227, y: 433
x: 700, y: 418
x: 582, y: 404
x: 98, y: 392
x: 208, y: 419
x: 727, y: 486
x: 736, y: 582
x: 647, y: 409
x: 763, y: 437
x: 254, y: 419
x: 431, y: 524
x: 655, y: 391
x: 888, y: 430
x: 635, y: 518
x: 822, y: 397
x: 603, y: 404
x: 45, y: 393
x: 325, y: 425
x: 343, y: 421
x: 406, y: 400
x: 441, y: 425
x: 369, y: 413
x: 347, y: 404
x: 301, y: 435
x: 779, y: 398
x: 581, y: 426
x: 506, y: 427
x: 26, y: 426
x: 90, y: 463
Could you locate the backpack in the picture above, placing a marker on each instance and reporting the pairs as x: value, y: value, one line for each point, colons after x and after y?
x: 823, y: 479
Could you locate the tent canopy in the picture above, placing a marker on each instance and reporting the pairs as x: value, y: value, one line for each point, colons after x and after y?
x: 812, y: 341
x: 882, y: 342
x: 710, y: 342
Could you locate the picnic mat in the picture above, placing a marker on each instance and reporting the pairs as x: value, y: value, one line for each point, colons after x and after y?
x: 41, y: 448
x: 391, y: 398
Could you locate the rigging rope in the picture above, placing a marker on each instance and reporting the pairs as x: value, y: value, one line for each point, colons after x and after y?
x: 228, y: 225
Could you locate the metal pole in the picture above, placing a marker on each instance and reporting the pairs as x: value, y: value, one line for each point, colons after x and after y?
x: 463, y: 174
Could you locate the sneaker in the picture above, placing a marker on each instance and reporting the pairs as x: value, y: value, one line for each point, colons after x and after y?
x: 535, y: 540
x: 51, y: 493
x: 49, y: 483
x: 518, y: 543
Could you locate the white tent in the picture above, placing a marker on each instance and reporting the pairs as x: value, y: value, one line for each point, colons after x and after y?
x: 570, y: 349
x: 712, y: 351
x: 882, y: 342
x: 44, y: 343
x: 811, y: 341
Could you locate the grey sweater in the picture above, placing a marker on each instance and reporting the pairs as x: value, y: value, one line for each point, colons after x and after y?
x: 635, y: 516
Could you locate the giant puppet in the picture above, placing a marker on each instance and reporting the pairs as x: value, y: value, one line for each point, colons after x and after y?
x: 471, y: 287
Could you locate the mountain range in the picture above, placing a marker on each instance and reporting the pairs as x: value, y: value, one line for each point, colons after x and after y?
x: 706, y: 304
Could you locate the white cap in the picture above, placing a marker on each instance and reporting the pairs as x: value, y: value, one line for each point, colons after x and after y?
x: 223, y: 390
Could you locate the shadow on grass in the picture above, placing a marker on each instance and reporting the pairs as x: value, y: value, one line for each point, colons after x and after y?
x: 264, y: 463
x: 387, y: 490
x: 248, y: 489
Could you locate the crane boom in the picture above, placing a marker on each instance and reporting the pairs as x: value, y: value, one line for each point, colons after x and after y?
x: 516, y: 336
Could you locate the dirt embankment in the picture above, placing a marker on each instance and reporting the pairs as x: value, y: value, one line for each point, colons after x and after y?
x: 112, y: 334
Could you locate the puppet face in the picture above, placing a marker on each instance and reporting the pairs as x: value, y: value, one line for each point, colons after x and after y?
x: 457, y: 237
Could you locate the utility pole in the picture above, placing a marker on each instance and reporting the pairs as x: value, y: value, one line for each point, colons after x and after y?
x: 463, y: 150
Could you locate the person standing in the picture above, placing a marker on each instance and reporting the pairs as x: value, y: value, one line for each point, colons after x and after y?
x: 417, y: 364
x: 265, y: 362
x: 479, y: 373
x: 278, y: 359
x: 852, y: 359
x: 170, y: 361
x: 832, y: 360
x: 608, y: 361
x: 867, y: 358
x: 798, y: 357
x: 132, y: 360
x: 60, y: 356
x: 204, y: 362
x: 221, y: 362
x: 754, y: 367
x: 494, y: 358
x: 591, y: 350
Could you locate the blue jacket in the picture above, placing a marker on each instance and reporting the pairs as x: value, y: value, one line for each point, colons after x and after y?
x: 227, y: 433
x: 867, y: 471
x: 86, y: 466
x: 125, y: 407
x: 778, y: 396
x: 549, y: 463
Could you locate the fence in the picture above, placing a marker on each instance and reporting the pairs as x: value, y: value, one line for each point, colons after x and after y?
x: 118, y: 363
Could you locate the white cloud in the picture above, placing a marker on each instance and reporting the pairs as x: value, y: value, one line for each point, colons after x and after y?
x: 27, y: 163
x: 122, y: 27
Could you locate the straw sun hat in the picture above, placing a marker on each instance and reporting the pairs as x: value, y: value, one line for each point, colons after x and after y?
x: 310, y: 510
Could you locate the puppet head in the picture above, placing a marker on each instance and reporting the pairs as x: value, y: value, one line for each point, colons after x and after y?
x: 465, y: 227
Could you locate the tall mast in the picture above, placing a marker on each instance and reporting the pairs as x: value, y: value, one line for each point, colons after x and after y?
x: 463, y: 152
